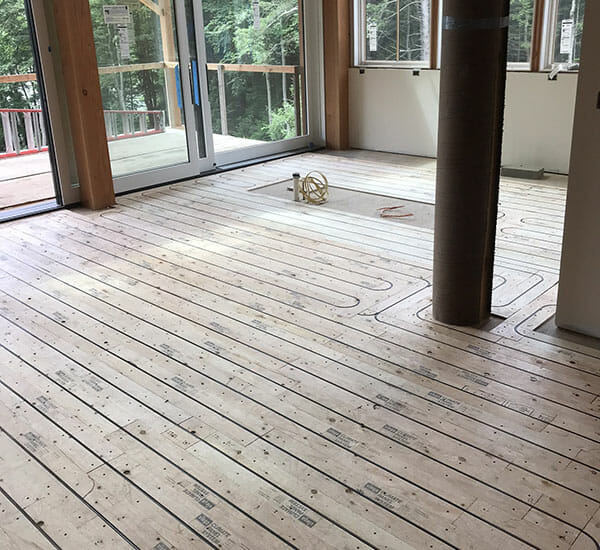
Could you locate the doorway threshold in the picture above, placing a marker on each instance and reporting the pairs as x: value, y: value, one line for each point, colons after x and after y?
x: 227, y: 168
x: 14, y: 213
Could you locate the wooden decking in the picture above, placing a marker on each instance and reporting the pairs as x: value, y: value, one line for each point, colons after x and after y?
x: 203, y: 367
x: 25, y: 180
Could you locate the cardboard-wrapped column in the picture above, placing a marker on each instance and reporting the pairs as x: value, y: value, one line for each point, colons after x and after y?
x: 473, y: 76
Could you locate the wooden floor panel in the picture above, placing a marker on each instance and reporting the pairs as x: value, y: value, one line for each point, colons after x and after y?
x: 202, y: 367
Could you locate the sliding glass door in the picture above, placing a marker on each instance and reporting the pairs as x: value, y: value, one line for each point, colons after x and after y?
x: 151, y: 89
x: 28, y: 176
x: 190, y: 85
x: 257, y: 78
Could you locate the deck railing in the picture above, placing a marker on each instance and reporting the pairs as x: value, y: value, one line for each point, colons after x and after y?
x: 296, y: 72
x: 128, y: 124
x: 24, y: 132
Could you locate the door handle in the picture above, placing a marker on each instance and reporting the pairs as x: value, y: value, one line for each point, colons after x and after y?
x: 193, y: 68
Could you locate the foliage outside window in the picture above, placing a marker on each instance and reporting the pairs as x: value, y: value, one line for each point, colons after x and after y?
x: 16, y: 57
x: 261, y: 105
x: 397, y: 30
x: 520, y: 31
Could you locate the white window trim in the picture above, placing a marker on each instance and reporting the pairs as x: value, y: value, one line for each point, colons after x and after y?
x: 360, y: 45
x: 548, y: 28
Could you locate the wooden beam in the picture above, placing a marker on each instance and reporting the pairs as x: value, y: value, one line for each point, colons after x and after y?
x: 241, y: 68
x: 12, y: 78
x: 151, y: 5
x: 336, y: 40
x: 170, y: 56
x: 538, y: 32
x: 82, y: 84
x: 132, y: 68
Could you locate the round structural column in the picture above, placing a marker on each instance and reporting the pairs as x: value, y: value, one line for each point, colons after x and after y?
x: 473, y: 77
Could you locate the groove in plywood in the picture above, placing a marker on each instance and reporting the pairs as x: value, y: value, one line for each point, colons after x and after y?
x: 219, y: 326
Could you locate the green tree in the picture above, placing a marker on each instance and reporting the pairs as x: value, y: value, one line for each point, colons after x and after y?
x: 233, y: 36
x: 520, y: 31
x: 16, y: 57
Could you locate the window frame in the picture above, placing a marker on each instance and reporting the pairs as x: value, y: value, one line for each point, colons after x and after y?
x: 360, y: 41
x: 545, y: 14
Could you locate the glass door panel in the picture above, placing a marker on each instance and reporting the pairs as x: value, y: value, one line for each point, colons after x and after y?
x: 146, y: 81
x: 256, y: 76
x: 27, y: 165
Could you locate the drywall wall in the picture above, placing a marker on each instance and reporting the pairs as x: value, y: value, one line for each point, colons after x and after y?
x: 579, y: 288
x: 393, y: 110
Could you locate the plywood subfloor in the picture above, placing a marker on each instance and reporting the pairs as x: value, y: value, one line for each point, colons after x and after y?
x: 203, y: 367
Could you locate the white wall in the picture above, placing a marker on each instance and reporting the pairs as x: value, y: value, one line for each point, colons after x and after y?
x: 392, y: 110
x: 579, y: 289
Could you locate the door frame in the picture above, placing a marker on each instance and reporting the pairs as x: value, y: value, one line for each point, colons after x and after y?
x: 57, y: 129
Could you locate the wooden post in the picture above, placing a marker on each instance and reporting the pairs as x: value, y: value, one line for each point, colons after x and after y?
x: 169, y: 56
x: 82, y: 84
x: 434, y: 34
x: 222, y: 100
x: 302, y: 80
x: 283, y: 75
x: 472, y: 84
x: 537, y: 38
x: 269, y: 99
x: 298, y: 103
x: 336, y: 28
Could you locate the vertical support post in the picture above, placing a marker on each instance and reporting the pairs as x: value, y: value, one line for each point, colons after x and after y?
x: 29, y: 131
x: 283, y: 76
x: 222, y: 100
x: 301, y: 89
x: 269, y: 99
x: 434, y: 33
x: 298, y: 102
x: 336, y: 42
x: 473, y: 77
x: 40, y: 129
x: 125, y: 123
x: 169, y: 56
x: 82, y: 84
x: 14, y: 125
x: 7, y: 130
x: 537, y: 37
x: 107, y: 125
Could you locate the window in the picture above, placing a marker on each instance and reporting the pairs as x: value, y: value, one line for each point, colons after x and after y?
x: 541, y: 33
x: 396, y: 31
x: 520, y: 31
x: 567, y: 31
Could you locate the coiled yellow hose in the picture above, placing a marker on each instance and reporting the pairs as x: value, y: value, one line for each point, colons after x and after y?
x: 314, y: 188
